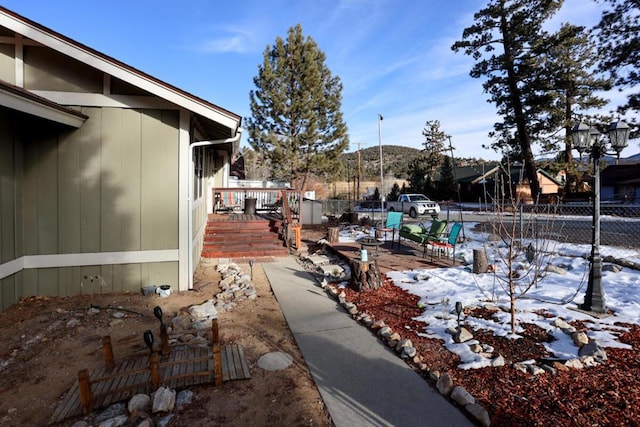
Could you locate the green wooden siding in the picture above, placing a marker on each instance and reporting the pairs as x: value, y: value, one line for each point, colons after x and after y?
x: 8, y: 63
x: 42, y: 71
x: 110, y: 186
x: 7, y: 192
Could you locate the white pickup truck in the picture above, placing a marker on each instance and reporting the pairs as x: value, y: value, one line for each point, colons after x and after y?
x: 414, y: 205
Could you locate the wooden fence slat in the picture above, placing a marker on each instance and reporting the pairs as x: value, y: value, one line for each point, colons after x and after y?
x: 69, y: 404
x: 223, y: 363
x: 179, y: 369
x: 100, y: 382
x: 243, y: 362
x: 217, y: 364
x: 130, y: 385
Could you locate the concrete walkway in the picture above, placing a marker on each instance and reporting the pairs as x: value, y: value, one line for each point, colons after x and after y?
x: 361, y: 382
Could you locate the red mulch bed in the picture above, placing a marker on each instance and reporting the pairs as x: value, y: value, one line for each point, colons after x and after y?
x: 606, y: 395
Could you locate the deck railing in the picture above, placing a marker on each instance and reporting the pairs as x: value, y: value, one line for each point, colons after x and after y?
x: 267, y: 200
x: 280, y: 203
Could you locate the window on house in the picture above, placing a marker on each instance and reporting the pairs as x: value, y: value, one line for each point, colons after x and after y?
x: 198, y: 161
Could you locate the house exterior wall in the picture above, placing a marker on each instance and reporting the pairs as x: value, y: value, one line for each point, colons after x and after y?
x: 7, y: 63
x: 42, y: 68
x: 109, y: 187
x: 104, y: 207
x: 10, y: 211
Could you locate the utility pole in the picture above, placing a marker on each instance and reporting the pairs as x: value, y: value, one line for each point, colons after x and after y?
x: 381, y: 173
x: 358, y: 173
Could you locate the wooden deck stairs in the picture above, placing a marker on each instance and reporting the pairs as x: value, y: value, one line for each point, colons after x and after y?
x: 243, y: 236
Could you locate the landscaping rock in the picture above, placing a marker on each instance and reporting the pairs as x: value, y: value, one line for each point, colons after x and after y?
x: 461, y: 396
x: 579, y: 338
x: 203, y: 311
x: 184, y: 399
x: 553, y: 269
x: 118, y: 421
x: 444, y: 384
x: 462, y: 335
x: 479, y: 413
x: 498, y: 362
x: 111, y: 412
x: 595, y: 350
x: 408, y: 352
x: 574, y: 363
x: 138, y: 403
x: 385, y: 332
x: 164, y: 400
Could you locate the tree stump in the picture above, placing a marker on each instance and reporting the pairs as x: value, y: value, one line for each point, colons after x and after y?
x: 480, y: 263
x: 333, y: 234
x: 366, y: 275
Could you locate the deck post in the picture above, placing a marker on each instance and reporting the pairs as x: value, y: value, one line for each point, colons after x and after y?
x: 154, y: 367
x: 216, y: 353
x: 84, y: 388
x: 107, y: 351
x: 164, y: 339
x: 215, y: 330
x: 217, y: 364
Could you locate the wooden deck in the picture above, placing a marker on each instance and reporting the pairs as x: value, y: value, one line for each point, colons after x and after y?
x: 180, y: 369
x: 394, y: 257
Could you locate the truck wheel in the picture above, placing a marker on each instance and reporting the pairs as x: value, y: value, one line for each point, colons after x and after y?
x: 391, y: 209
x: 413, y: 213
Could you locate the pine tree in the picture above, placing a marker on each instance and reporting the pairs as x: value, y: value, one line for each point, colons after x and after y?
x: 568, y: 58
x: 394, y: 193
x: 417, y: 178
x: 447, y: 186
x: 433, y: 146
x: 619, y: 35
x: 296, y: 121
x: 513, y: 75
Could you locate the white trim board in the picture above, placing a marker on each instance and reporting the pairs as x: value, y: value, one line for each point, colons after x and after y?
x: 77, y: 260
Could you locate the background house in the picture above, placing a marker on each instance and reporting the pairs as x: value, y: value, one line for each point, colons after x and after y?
x: 498, y: 183
x: 104, y: 170
x: 620, y: 183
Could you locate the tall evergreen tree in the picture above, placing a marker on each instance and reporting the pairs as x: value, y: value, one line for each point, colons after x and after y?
x: 447, y: 186
x: 394, y: 193
x: 514, y: 75
x: 296, y: 121
x: 568, y: 58
x: 433, y: 146
x: 619, y: 35
x: 417, y: 177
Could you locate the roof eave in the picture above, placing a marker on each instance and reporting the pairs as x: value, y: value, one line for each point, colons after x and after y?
x: 111, y: 66
x: 21, y: 100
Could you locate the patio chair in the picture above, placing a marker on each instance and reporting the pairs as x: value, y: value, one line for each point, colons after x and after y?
x: 446, y: 243
x: 394, y: 222
x: 420, y: 235
x: 228, y: 202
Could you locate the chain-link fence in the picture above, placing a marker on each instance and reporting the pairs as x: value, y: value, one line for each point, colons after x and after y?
x: 619, y: 226
x: 564, y: 223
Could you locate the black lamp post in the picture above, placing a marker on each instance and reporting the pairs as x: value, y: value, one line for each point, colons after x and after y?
x: 586, y: 139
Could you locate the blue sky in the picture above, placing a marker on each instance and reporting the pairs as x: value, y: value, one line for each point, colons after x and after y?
x: 392, y: 56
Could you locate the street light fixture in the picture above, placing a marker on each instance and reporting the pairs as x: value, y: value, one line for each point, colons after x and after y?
x: 587, y: 139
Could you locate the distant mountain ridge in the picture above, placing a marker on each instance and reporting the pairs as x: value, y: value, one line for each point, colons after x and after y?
x: 395, y: 159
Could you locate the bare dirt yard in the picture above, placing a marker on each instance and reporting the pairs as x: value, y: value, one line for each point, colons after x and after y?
x: 45, y: 341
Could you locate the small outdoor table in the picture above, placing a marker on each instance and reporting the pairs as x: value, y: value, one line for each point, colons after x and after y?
x: 369, y: 242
